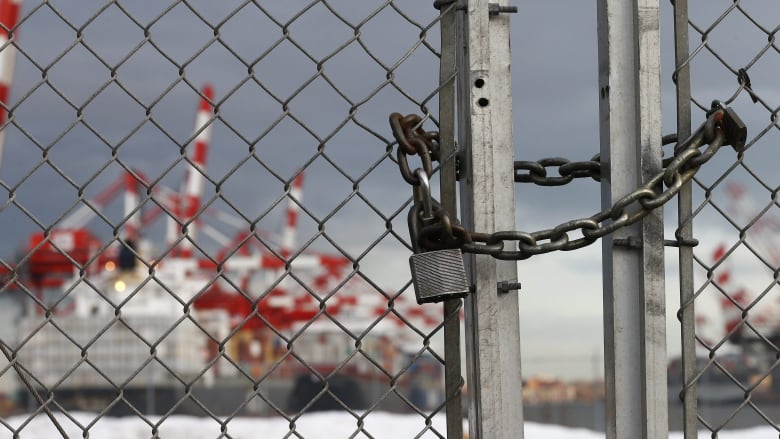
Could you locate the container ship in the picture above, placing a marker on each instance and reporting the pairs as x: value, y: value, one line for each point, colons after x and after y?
x: 156, y: 326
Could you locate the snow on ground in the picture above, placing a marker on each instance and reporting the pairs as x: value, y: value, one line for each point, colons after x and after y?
x: 312, y: 426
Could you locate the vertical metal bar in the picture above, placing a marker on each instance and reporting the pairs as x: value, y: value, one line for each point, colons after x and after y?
x: 682, y: 78
x: 507, y: 307
x: 653, y: 312
x: 487, y: 194
x: 634, y: 301
x: 453, y: 378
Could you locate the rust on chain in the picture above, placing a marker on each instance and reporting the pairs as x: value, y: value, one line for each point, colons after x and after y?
x: 413, y: 140
x: 442, y: 233
x: 722, y: 127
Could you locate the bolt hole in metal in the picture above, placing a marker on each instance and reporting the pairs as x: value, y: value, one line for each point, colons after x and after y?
x: 483, y: 102
x: 479, y: 83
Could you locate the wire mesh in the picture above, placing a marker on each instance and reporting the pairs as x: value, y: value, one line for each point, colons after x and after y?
x: 732, y: 58
x: 256, y: 265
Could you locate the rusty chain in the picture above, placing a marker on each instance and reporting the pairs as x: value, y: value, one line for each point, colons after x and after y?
x: 413, y: 140
x: 722, y: 127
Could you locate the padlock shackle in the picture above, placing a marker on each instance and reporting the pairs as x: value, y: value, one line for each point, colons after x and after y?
x: 415, y: 226
x: 423, y: 194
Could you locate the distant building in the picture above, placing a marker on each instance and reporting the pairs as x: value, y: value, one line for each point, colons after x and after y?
x: 546, y: 389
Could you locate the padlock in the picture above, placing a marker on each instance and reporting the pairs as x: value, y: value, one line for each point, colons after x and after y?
x: 436, y: 275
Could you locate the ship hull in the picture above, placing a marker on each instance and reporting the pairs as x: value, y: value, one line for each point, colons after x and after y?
x: 301, y: 393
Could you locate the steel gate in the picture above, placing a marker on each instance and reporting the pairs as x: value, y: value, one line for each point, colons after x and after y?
x: 257, y: 265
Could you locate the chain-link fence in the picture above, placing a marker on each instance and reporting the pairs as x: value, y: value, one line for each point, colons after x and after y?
x: 729, y: 303
x: 256, y: 265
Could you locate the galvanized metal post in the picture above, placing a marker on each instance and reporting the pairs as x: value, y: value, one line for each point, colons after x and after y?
x: 448, y: 68
x: 487, y: 193
x: 685, y: 229
x: 634, y: 301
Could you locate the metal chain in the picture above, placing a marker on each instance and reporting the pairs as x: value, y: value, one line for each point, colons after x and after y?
x: 413, y: 140
x: 722, y: 127
x: 536, y: 172
x: 568, y: 170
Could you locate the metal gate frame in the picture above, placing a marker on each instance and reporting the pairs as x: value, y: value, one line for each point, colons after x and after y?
x: 685, y: 225
x: 488, y: 203
x: 633, y: 270
x: 633, y: 257
x: 634, y: 308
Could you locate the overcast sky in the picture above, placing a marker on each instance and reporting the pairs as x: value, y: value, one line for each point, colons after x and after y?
x: 285, y: 103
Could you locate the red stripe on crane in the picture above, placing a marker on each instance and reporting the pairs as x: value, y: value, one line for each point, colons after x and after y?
x: 208, y: 93
x: 193, y: 185
x: 719, y: 253
x: 9, y: 15
x: 199, y: 155
x: 292, y: 218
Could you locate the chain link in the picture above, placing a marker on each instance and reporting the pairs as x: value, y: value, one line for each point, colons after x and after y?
x: 536, y: 172
x: 413, y: 140
x: 722, y: 127
x: 568, y: 170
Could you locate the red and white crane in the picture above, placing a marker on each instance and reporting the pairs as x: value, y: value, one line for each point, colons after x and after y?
x: 242, y: 300
x: 280, y: 285
x: 55, y: 254
x: 189, y: 203
x: 9, y: 18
